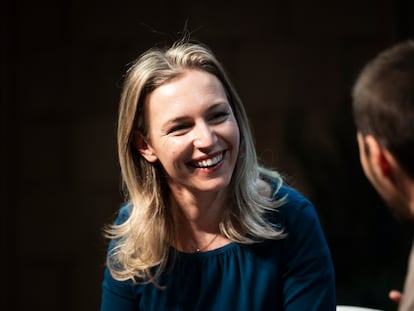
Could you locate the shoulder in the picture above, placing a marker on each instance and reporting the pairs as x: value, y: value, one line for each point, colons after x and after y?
x: 293, y: 199
x: 278, y: 190
x: 299, y: 219
x: 296, y: 211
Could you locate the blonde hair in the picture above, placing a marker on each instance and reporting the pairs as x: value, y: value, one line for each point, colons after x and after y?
x: 141, y: 244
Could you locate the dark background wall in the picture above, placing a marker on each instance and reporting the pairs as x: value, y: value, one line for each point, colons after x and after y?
x: 293, y: 63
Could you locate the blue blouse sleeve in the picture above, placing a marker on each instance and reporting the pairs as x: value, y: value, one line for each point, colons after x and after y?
x: 118, y: 295
x: 308, y: 277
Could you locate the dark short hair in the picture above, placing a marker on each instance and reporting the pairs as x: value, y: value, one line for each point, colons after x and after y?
x: 383, y: 101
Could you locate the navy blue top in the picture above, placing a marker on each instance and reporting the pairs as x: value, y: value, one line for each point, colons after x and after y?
x: 292, y: 274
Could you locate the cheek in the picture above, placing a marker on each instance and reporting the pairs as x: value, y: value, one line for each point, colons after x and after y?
x: 234, y: 133
x: 173, y: 149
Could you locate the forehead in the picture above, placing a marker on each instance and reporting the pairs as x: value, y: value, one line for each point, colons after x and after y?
x: 190, y: 89
x: 195, y: 78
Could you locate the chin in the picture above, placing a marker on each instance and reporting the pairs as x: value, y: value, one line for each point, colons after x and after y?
x: 214, y: 185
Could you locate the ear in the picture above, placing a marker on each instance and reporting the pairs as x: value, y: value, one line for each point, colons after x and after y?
x: 381, y: 158
x: 144, y: 148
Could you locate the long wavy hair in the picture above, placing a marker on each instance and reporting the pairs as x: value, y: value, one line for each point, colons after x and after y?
x: 141, y: 244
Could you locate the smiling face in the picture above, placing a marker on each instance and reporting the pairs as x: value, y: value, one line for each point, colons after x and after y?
x: 192, y: 132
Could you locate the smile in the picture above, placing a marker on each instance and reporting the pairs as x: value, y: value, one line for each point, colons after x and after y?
x: 209, y: 162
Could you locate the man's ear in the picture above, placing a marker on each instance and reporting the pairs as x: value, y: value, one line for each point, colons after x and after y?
x: 381, y: 158
x: 144, y: 148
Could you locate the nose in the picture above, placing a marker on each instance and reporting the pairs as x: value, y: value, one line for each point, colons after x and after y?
x: 204, y: 136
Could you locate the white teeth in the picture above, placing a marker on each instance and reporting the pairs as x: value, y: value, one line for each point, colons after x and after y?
x: 210, y: 162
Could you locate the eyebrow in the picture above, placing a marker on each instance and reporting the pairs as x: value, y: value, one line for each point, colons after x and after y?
x: 166, y: 126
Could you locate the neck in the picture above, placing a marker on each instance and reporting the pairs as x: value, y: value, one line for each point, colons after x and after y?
x: 196, y: 222
x: 197, y: 247
x: 201, y: 211
x: 403, y: 197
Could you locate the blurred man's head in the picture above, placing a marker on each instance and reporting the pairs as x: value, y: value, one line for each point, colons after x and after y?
x: 383, y: 107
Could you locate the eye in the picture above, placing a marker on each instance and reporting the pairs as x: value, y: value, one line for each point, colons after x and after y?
x: 219, y: 116
x: 178, y: 129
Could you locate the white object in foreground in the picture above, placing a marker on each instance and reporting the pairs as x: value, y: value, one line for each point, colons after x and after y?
x: 353, y: 308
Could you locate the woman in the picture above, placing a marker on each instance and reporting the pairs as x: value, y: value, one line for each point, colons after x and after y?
x: 204, y: 226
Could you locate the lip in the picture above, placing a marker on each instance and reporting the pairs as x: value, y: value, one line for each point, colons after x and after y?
x: 208, y: 161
